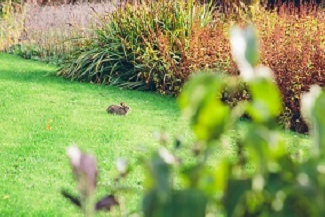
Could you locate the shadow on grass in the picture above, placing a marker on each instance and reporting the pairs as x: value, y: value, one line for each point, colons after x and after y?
x: 16, y: 69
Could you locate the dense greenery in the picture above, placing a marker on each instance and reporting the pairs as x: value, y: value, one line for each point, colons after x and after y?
x: 278, y: 184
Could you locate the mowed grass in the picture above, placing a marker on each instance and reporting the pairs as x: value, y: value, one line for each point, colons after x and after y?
x: 41, y: 115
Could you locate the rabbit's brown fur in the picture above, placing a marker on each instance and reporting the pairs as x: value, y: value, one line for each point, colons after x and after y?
x: 118, y: 110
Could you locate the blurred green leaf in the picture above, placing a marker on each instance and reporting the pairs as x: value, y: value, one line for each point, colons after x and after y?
x: 158, y: 178
x: 267, y: 102
x: 297, y: 204
x: 252, y: 49
x: 192, y: 174
x: 235, y: 192
x: 200, y: 101
x: 219, y: 176
x: 199, y: 89
x: 182, y: 203
x: 211, y: 121
x: 318, y: 112
x: 207, y: 179
x: 274, y: 183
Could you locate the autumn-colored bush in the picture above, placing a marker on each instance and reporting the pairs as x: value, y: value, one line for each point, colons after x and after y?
x: 292, y: 43
x: 299, y: 43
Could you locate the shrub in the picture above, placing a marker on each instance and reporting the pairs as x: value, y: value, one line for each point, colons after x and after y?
x: 153, y: 39
x: 294, y: 49
x: 292, y: 45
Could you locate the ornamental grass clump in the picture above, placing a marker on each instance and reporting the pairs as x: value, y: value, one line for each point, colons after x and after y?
x: 292, y: 44
x: 145, y: 46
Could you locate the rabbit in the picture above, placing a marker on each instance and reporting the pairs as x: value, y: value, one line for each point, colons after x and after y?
x: 118, y: 110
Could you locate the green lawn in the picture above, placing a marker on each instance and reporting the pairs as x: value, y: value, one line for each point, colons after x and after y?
x: 41, y: 115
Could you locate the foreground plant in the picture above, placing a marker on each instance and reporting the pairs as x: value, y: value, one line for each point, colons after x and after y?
x: 278, y: 185
x: 85, y: 172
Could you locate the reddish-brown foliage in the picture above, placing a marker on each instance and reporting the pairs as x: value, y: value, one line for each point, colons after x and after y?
x: 294, y: 50
x: 292, y: 42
